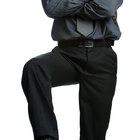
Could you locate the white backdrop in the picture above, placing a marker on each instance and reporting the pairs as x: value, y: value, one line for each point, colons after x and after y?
x: 25, y: 31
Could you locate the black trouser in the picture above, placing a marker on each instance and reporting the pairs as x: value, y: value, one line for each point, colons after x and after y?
x: 94, y: 68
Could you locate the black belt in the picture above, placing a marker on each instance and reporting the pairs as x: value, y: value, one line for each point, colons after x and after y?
x: 86, y: 43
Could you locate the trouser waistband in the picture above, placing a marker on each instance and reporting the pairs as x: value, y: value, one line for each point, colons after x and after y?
x: 86, y: 43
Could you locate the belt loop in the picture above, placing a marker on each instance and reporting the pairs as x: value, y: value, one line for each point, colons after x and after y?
x: 93, y: 45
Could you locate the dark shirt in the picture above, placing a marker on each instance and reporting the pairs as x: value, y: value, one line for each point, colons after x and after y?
x: 103, y: 14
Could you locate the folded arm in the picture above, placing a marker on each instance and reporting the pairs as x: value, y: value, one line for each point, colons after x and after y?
x: 93, y: 9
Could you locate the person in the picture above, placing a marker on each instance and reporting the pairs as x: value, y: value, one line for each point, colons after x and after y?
x: 85, y: 31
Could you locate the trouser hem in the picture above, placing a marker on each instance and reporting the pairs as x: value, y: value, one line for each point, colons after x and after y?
x: 46, y: 133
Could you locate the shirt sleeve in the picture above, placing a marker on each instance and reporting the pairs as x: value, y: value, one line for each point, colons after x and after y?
x: 93, y: 9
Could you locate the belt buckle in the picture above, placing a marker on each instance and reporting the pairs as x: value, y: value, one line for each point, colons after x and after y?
x: 86, y: 43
